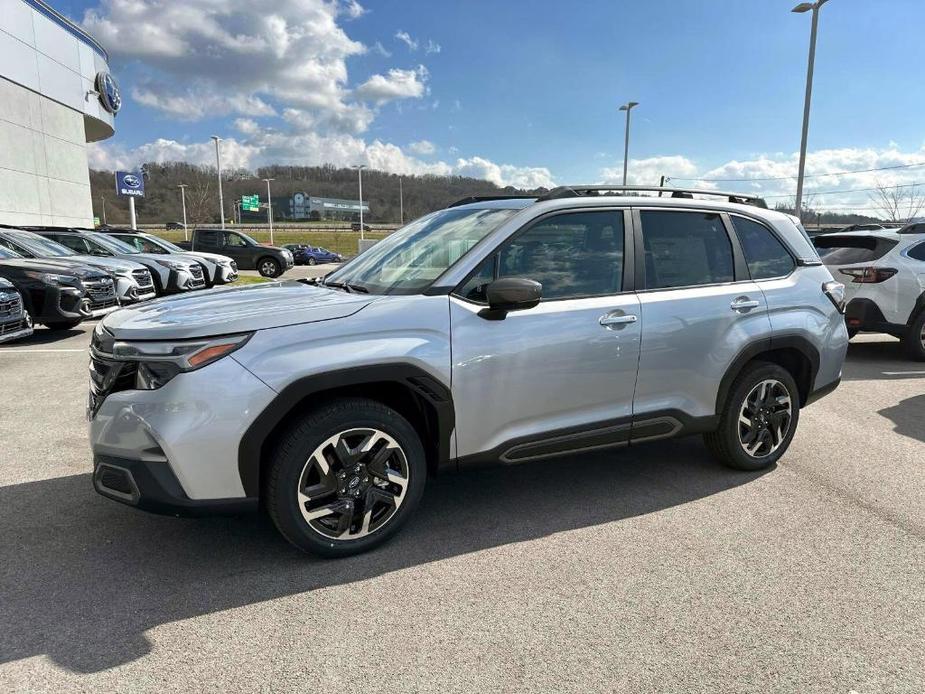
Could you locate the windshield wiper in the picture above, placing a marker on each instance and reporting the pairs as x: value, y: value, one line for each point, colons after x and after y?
x: 347, y: 287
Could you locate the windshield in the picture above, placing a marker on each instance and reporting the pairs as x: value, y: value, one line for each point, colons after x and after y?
x: 164, y: 244
x: 39, y: 246
x: 247, y: 238
x: 111, y: 244
x: 413, y: 257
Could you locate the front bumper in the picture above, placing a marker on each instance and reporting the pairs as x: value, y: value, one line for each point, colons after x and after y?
x: 192, y: 426
x: 152, y: 486
x: 186, y: 280
x: 226, y: 273
x: 130, y: 291
x: 15, y: 329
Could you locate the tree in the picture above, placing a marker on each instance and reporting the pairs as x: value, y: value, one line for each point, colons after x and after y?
x: 899, y: 203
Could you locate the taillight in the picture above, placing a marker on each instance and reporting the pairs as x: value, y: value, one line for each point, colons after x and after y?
x: 868, y: 275
x: 836, y: 293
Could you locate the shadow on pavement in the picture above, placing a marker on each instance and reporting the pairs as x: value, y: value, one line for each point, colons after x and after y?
x: 43, y: 336
x: 908, y: 417
x: 82, y: 578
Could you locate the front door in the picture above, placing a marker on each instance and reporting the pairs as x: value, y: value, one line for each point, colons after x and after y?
x: 236, y: 248
x: 558, y: 377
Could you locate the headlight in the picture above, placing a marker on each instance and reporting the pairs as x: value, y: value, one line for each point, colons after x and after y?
x: 172, y: 264
x: 51, y: 278
x: 160, y: 362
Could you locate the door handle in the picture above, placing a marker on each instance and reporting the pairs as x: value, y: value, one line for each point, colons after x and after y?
x: 608, y: 320
x: 743, y: 303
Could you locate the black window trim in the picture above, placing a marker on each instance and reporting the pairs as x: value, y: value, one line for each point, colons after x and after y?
x: 774, y: 234
x: 628, y: 252
x: 740, y: 267
x: 911, y: 247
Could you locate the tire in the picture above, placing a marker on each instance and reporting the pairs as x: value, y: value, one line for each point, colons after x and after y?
x: 729, y: 442
x: 269, y: 267
x: 914, y: 341
x: 63, y: 325
x: 311, y: 261
x: 356, y: 492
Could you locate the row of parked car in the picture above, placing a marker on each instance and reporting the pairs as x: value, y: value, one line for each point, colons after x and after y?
x: 58, y: 277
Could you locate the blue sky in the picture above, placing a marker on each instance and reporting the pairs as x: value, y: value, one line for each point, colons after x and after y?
x: 522, y: 92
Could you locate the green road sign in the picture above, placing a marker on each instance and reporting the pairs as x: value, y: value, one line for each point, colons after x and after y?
x: 250, y: 203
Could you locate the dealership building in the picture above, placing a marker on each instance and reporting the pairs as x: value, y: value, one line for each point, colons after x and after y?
x: 56, y: 95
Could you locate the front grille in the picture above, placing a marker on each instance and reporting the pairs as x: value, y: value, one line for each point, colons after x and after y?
x: 101, y: 293
x: 143, y: 279
x: 13, y: 326
x: 108, y: 376
x: 198, y: 279
x: 115, y: 482
x: 10, y: 306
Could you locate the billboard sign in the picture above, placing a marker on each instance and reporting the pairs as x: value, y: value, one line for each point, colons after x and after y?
x: 130, y: 184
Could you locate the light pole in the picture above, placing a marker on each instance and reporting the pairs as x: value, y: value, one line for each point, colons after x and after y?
x: 359, y: 168
x: 182, y: 188
x: 401, y: 204
x: 270, y: 208
x: 800, y: 9
x: 104, y: 210
x: 218, y: 165
x: 628, y: 106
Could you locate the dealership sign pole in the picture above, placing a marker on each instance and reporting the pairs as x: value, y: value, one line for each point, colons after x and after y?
x: 130, y: 185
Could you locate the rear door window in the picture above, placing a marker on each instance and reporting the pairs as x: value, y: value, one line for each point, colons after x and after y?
x: 917, y: 252
x: 685, y: 249
x: 849, y: 250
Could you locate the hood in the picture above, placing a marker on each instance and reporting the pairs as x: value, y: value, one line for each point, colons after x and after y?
x: 57, y: 266
x: 236, y: 310
x: 116, y: 265
x: 6, y: 284
x: 213, y: 257
x: 149, y: 259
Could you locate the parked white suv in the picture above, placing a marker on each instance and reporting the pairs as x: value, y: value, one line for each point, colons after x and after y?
x: 884, y: 276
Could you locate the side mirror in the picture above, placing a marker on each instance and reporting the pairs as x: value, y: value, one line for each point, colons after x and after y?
x: 510, y: 294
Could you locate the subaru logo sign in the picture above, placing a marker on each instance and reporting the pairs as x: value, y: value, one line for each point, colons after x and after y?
x: 131, y: 184
x: 108, y: 88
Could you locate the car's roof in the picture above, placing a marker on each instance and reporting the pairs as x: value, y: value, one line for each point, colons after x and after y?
x: 626, y: 201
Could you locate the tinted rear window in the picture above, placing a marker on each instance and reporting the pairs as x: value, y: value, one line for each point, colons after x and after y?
x: 844, y: 250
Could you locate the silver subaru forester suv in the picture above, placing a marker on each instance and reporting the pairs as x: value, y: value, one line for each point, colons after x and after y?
x: 496, y: 330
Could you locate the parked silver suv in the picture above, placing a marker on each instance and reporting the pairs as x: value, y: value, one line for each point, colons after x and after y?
x: 502, y: 330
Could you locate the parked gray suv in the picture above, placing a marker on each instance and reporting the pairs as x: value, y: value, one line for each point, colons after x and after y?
x: 495, y: 330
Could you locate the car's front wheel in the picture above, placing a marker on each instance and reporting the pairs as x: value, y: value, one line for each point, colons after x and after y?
x: 345, y: 478
x: 311, y: 261
x: 759, y: 418
x: 269, y: 267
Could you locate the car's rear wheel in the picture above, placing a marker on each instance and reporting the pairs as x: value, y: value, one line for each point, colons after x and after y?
x: 311, y: 261
x: 915, y: 338
x: 269, y: 267
x: 345, y: 478
x: 759, y: 418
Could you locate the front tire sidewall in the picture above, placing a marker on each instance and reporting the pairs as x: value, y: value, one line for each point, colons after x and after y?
x: 311, y: 261
x: 913, y: 341
x: 268, y: 267
x: 304, y: 437
x: 724, y: 443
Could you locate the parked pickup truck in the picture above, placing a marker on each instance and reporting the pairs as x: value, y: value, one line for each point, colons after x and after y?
x: 269, y: 261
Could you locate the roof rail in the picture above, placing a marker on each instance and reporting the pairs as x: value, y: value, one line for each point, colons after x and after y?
x: 594, y: 190
x: 487, y: 198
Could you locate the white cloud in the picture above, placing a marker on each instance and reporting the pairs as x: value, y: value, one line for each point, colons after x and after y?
x: 505, y: 174
x: 822, y: 175
x: 380, y: 49
x: 422, y: 147
x: 432, y: 47
x: 353, y: 9
x: 397, y: 84
x: 406, y: 39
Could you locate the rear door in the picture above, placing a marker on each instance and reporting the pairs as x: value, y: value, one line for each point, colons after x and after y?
x: 699, y: 309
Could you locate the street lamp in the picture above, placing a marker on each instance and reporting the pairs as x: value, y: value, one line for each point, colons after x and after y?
x: 359, y: 169
x: 628, y: 106
x: 800, y: 9
x: 183, y: 188
x: 218, y: 165
x: 104, y: 210
x: 270, y: 208
x: 401, y: 204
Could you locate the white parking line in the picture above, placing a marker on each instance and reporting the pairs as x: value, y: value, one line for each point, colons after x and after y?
x: 903, y: 373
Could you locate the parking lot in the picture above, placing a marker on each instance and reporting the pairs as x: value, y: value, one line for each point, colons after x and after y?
x: 651, y: 568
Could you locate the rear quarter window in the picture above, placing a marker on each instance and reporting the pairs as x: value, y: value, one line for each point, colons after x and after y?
x: 846, y: 250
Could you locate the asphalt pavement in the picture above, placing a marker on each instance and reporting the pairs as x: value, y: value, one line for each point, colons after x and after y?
x: 647, y: 569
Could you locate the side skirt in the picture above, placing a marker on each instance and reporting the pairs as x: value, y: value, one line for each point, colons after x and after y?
x: 652, y: 426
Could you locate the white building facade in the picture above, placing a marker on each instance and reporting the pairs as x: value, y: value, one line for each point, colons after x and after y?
x: 55, y: 97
